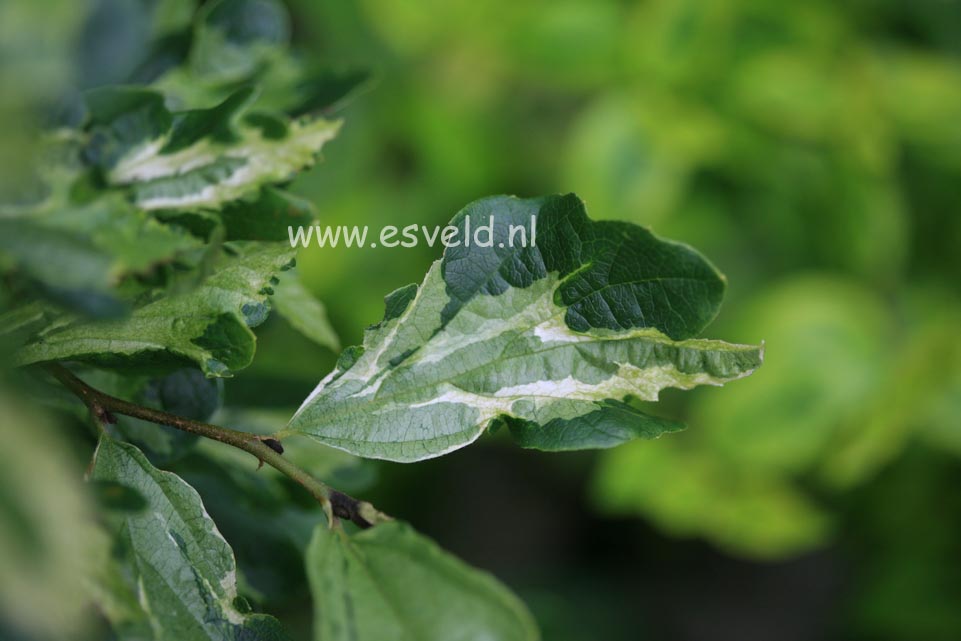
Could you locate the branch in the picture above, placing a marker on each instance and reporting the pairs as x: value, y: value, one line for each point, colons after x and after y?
x: 267, y: 450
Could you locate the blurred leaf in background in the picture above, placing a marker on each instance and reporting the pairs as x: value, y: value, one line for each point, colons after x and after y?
x: 49, y: 542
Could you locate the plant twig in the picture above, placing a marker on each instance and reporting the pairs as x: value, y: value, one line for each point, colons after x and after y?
x: 268, y: 450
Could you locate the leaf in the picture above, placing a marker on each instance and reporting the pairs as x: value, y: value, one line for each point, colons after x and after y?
x: 183, y: 570
x: 612, y: 423
x: 67, y: 268
x: 79, y: 253
x: 267, y: 216
x: 834, y: 343
x: 210, y: 174
x: 196, y: 158
x: 184, y: 392
x: 544, y: 337
x: 234, y: 37
x: 341, y: 470
x: 267, y: 527
x: 48, y: 542
x: 389, y: 582
x: 304, y: 312
x: 113, y: 591
x: 209, y: 326
x: 124, y: 122
x: 22, y: 320
x: 267, y: 518
x: 322, y: 90
x: 752, y: 513
x: 124, y: 42
x: 190, y: 127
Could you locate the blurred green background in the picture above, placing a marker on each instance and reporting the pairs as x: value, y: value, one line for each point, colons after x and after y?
x: 812, y: 150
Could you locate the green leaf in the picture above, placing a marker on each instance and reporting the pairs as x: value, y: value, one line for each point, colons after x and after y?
x: 209, y: 326
x: 834, y: 344
x: 113, y: 591
x: 686, y: 490
x: 612, y: 423
x: 543, y: 337
x: 185, y: 392
x: 238, y: 42
x: 182, y: 569
x: 389, y: 582
x: 48, y: 542
x: 78, y: 254
x: 267, y: 518
x: 266, y: 217
x: 234, y: 37
x: 260, y: 514
x: 304, y: 312
x: 124, y: 122
x: 190, y: 127
x: 22, y: 320
x: 322, y: 90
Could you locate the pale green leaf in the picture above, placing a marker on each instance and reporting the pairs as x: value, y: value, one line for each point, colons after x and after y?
x: 209, y: 325
x: 543, y: 337
x: 389, y: 582
x: 689, y: 491
x: 48, y: 542
x: 303, y: 311
x: 114, y: 592
x: 181, y: 567
x: 832, y: 343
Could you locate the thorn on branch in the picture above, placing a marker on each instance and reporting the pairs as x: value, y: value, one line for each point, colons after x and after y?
x: 360, y: 513
x: 104, y: 416
x: 98, y: 412
x: 349, y: 508
x: 273, y: 444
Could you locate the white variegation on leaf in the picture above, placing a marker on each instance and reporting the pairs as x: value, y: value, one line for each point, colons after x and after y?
x: 210, y: 173
x: 444, y: 366
x: 199, y: 158
x: 208, y: 325
x: 181, y: 569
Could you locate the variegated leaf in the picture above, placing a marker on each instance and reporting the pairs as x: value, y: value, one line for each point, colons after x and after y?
x: 202, y: 158
x: 549, y: 339
x: 209, y: 325
x: 180, y: 567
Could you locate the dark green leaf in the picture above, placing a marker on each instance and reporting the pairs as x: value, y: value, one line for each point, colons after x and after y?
x: 266, y: 217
